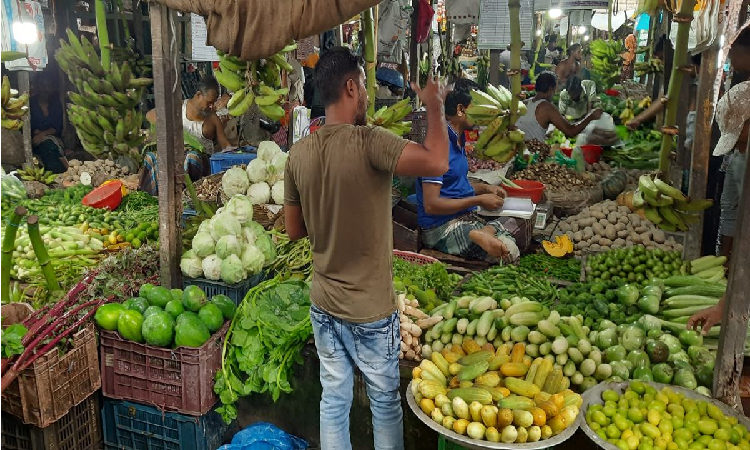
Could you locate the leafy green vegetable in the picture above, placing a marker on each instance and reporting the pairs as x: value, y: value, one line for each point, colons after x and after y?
x: 267, y: 334
x: 11, y: 340
x: 567, y: 269
x: 429, y: 276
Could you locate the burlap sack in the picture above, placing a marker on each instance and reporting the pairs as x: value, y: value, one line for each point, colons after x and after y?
x: 255, y: 29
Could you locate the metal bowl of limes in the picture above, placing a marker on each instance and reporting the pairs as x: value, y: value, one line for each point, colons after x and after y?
x: 593, y: 396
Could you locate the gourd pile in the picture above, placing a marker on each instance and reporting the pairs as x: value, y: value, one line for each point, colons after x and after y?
x: 606, y: 226
x: 92, y: 173
x: 263, y: 180
x: 495, y: 395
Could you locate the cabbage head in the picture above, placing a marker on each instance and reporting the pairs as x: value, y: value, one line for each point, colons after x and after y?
x: 257, y: 170
x: 633, y: 337
x: 265, y: 245
x: 252, y: 259
x: 276, y: 168
x: 277, y: 192
x: 259, y: 193
x: 212, y: 267
x: 255, y: 229
x: 223, y: 224
x: 190, y: 265
x: 203, y: 243
x: 231, y: 270
x: 241, y: 208
x: 205, y: 226
x: 228, y: 245
x: 234, y: 181
x: 267, y: 150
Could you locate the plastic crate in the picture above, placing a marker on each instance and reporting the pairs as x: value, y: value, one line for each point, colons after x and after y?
x: 54, y: 383
x: 180, y: 379
x: 223, y: 161
x: 133, y: 426
x: 79, y: 429
x: 446, y: 444
x: 234, y: 291
x: 414, y: 258
x: 418, y: 126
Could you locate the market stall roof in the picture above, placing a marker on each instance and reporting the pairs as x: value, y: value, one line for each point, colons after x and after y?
x: 254, y: 29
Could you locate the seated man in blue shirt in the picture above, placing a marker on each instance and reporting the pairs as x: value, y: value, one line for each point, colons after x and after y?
x: 446, y: 205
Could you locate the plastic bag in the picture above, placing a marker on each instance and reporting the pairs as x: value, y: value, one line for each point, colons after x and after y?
x: 12, y: 187
x: 264, y: 436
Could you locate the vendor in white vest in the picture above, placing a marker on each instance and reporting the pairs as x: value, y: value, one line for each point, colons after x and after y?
x: 541, y: 113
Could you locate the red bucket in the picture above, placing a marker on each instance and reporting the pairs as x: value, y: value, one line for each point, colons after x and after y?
x: 528, y: 189
x: 592, y: 153
x: 106, y: 196
x: 612, y: 92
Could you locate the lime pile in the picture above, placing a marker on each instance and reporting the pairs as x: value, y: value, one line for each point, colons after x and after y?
x: 644, y: 418
x: 167, y: 318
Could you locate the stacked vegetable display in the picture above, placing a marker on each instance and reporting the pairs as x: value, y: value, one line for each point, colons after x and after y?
x: 230, y: 246
x: 643, y: 416
x: 498, y: 395
x: 263, y: 181
x: 167, y: 318
x: 634, y: 264
x: 510, y: 281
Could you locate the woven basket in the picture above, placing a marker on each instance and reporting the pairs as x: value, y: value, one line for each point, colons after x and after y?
x: 264, y: 215
x: 414, y: 258
x: 570, y: 202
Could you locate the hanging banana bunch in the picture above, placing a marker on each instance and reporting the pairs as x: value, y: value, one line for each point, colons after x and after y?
x: 606, y: 60
x: 15, y: 107
x: 390, y: 117
x: 103, y: 111
x: 498, y: 141
x: 140, y: 65
x: 653, y: 65
x: 256, y: 82
x: 666, y: 206
x: 36, y: 173
x: 483, y: 70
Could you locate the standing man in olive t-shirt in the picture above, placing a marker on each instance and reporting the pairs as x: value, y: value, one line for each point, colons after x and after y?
x: 338, y: 192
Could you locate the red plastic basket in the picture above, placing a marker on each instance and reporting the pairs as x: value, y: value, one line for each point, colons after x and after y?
x: 592, y: 153
x: 180, y: 379
x: 529, y: 189
x: 106, y: 196
x: 612, y: 92
x: 414, y: 258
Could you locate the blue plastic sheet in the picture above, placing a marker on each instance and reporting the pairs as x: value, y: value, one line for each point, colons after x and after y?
x: 264, y: 436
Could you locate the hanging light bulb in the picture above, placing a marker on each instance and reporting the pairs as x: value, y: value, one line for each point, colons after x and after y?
x: 555, y: 13
x: 24, y: 32
x: 586, y: 38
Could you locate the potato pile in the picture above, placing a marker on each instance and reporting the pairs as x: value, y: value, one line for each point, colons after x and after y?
x: 606, y: 226
x: 100, y: 171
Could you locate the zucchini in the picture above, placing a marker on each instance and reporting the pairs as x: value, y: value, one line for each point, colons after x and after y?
x: 683, y: 280
x: 472, y: 394
x: 484, y: 324
x: 708, y: 290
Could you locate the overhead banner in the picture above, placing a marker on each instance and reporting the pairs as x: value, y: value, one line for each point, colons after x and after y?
x: 568, y: 5
x: 494, y: 26
x: 199, y: 50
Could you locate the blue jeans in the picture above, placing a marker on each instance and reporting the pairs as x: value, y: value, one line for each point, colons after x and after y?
x: 373, y: 348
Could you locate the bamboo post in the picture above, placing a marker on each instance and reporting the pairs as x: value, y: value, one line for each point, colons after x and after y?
x: 169, y: 142
x: 701, y: 151
x: 23, y: 87
x: 41, y: 254
x: 102, y: 33
x: 683, y: 19
x: 609, y: 20
x: 9, y: 244
x: 514, y: 10
x: 370, y: 53
x: 414, y: 45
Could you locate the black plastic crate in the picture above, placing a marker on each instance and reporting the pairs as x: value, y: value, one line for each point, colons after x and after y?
x: 79, y: 429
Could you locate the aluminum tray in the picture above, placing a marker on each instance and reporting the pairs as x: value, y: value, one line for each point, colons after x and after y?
x: 593, y: 396
x: 474, y: 444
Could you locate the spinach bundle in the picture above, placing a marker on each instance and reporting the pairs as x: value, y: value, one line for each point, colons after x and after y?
x: 265, y: 339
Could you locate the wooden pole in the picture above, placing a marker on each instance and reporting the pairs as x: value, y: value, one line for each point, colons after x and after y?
x: 495, y: 66
x: 169, y: 144
x: 370, y: 53
x: 414, y: 56
x: 23, y: 86
x: 514, y: 9
x: 701, y: 151
x: 730, y: 357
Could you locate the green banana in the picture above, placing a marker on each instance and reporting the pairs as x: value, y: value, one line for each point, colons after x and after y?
x: 646, y: 184
x: 229, y: 80
x: 653, y: 215
x: 668, y: 190
x: 695, y: 205
x: 274, y: 112
x: 244, y: 104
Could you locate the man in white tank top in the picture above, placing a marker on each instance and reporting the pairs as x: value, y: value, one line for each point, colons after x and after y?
x: 540, y: 112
